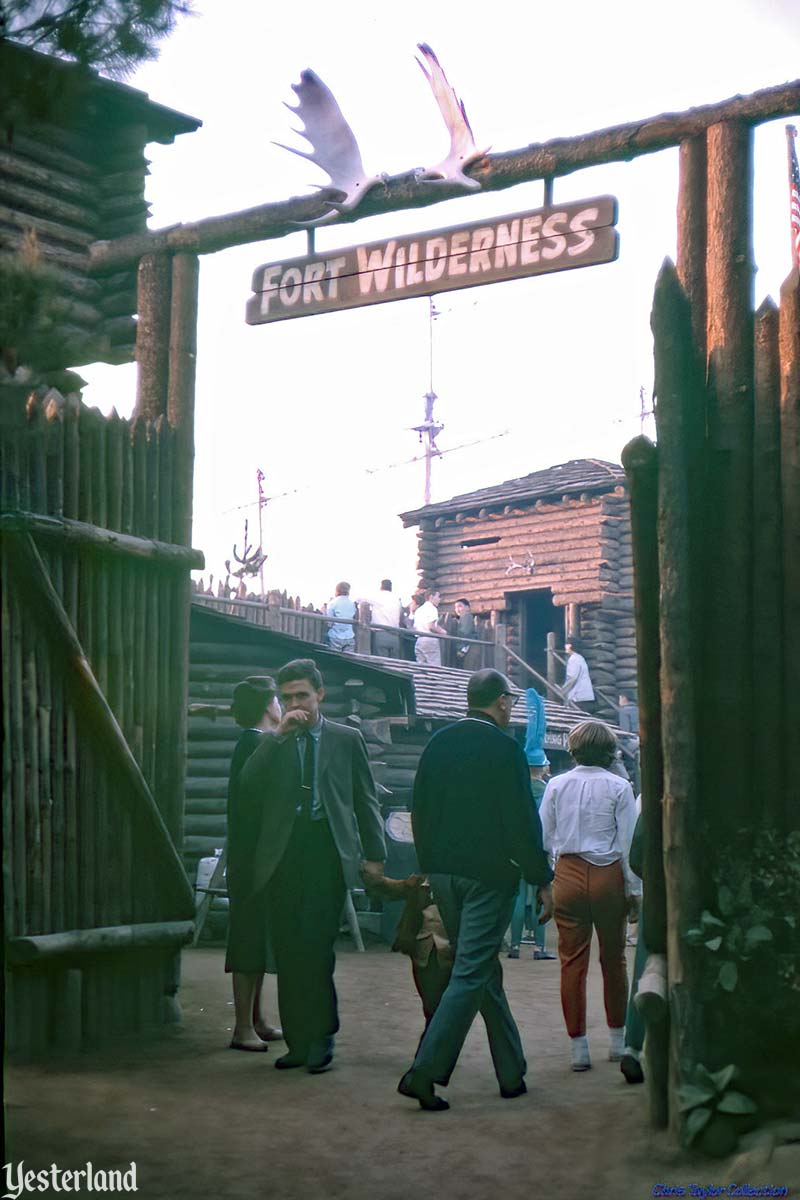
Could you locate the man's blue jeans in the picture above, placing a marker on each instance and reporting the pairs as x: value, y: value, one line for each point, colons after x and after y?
x: 518, y: 919
x: 475, y: 917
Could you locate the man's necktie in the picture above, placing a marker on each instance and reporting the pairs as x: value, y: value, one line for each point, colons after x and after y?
x: 308, y: 775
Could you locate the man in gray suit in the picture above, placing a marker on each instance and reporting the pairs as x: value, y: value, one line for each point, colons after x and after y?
x: 321, y: 832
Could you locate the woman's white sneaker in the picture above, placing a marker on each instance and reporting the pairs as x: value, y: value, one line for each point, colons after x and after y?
x: 579, y: 1053
x: 616, y: 1044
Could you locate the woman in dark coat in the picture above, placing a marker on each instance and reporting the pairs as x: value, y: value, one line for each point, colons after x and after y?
x: 255, y: 708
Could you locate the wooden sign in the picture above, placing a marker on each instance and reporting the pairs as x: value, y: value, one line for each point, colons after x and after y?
x: 421, y: 264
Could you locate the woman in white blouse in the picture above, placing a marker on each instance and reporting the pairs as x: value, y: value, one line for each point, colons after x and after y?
x: 588, y: 816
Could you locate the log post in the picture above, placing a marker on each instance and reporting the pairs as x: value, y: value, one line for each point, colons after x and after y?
x: 273, y: 610
x: 789, y: 340
x: 362, y: 631
x: 153, y: 334
x: 768, y: 645
x: 500, y: 656
x: 726, y: 667
x: 692, y: 218
x: 180, y: 394
x: 680, y: 419
x: 552, y: 667
x: 640, y: 460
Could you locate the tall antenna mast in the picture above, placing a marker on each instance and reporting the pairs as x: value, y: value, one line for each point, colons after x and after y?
x: 429, y: 430
x: 262, y: 504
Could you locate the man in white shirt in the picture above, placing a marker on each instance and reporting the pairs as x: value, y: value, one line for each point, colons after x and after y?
x: 426, y: 620
x: 578, y: 682
x: 385, y: 610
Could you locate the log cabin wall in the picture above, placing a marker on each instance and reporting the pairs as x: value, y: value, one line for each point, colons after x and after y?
x: 73, y: 169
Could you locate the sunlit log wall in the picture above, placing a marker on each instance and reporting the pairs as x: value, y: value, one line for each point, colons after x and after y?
x: 77, y: 856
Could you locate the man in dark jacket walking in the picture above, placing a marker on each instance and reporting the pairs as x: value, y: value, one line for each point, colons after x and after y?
x: 476, y: 831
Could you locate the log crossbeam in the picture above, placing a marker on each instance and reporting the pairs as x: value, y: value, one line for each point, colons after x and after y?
x: 37, y: 948
x: 561, y: 156
x: 84, y: 536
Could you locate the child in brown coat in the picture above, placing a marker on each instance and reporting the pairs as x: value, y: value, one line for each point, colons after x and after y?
x: 422, y: 936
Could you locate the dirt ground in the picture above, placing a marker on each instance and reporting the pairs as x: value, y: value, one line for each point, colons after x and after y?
x: 202, y: 1121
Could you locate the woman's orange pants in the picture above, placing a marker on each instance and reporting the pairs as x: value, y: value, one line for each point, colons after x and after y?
x: 588, y: 898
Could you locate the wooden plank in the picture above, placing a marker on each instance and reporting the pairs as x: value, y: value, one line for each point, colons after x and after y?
x: 492, y: 251
x: 495, y: 172
x: 92, y: 707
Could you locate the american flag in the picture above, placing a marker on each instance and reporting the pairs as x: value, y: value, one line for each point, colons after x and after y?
x: 794, y: 194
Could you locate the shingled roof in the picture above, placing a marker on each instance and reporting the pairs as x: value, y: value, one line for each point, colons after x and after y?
x: 578, y: 475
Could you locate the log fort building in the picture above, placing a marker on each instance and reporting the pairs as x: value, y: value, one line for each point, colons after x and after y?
x: 546, y: 554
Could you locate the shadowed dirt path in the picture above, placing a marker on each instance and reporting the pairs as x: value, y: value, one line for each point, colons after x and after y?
x: 202, y: 1121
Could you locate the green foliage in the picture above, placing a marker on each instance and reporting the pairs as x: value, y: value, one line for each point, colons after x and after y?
x: 751, y: 943
x: 111, y: 35
x: 712, y: 1107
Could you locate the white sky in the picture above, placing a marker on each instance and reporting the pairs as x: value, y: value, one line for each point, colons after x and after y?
x: 557, y: 360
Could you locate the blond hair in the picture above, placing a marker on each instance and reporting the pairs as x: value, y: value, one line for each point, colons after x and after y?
x: 592, y: 744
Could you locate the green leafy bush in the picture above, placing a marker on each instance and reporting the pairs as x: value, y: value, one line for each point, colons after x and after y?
x: 749, y: 942
x: 715, y: 1114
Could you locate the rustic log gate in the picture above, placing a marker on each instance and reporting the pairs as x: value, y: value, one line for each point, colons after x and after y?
x: 716, y: 524
x: 95, y: 652
x: 72, y: 858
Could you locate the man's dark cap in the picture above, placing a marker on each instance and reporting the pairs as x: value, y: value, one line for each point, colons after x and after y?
x: 485, y: 686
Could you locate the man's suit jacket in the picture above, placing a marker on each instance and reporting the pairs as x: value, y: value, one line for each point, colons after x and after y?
x: 270, y: 782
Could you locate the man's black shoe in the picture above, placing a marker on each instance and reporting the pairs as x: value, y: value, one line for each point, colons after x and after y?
x: 422, y: 1092
x: 293, y: 1059
x: 512, y: 1093
x: 632, y: 1069
x: 320, y: 1056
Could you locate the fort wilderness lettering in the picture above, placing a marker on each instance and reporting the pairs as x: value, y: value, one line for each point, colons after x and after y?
x: 581, y: 234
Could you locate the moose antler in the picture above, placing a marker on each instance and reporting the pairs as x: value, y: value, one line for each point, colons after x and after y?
x: 527, y: 566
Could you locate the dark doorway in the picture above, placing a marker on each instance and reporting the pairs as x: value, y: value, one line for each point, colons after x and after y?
x: 538, y: 617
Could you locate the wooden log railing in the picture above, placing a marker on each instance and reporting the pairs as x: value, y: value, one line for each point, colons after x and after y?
x: 281, y: 619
